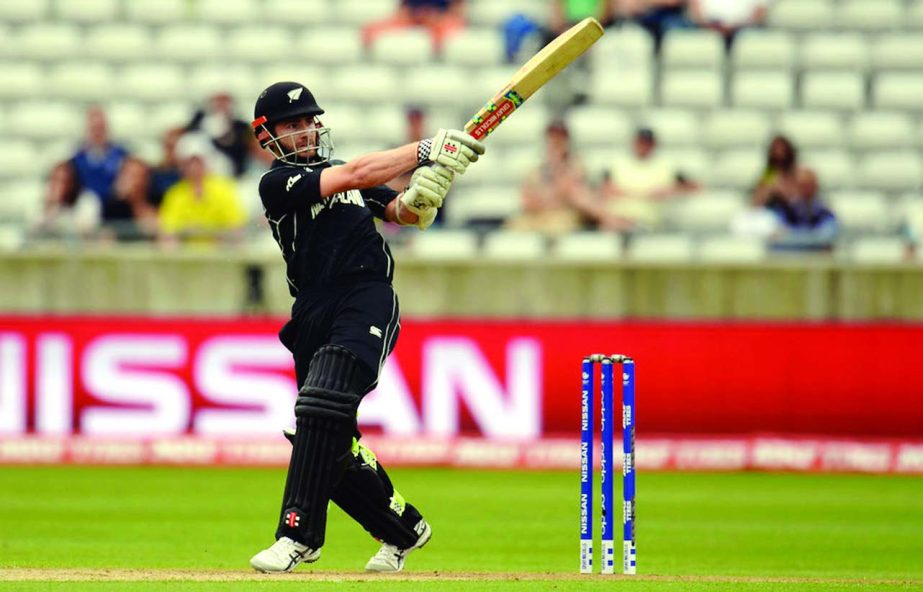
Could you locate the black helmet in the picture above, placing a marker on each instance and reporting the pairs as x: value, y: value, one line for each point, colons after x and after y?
x: 283, y: 101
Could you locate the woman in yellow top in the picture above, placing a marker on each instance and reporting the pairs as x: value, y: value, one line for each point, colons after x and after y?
x: 203, y: 207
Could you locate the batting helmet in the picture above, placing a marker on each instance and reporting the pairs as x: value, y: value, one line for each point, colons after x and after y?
x: 284, y: 101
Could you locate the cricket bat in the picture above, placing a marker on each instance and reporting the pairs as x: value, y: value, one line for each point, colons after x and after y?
x: 545, y: 65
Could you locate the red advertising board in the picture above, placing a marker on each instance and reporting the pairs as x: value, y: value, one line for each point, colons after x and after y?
x: 143, y: 377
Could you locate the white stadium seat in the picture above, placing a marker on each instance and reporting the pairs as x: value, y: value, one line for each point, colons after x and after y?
x: 673, y: 127
x: 189, y: 43
x: 736, y: 128
x: 229, y: 12
x: 45, y: 41
x: 835, y: 168
x: 737, y: 169
x: 627, y: 48
x: 914, y: 16
x: 476, y: 47
x: 161, y: 12
x: 22, y: 199
x: 598, y: 126
x: 588, y: 246
x: 87, y: 11
x: 661, y: 248
x: 833, y: 90
x: 403, y: 47
x: 630, y: 89
x: 58, y: 120
x: 706, y: 211
x: 525, y: 128
x: 693, y: 88
x: 691, y: 161
x: 260, y: 44
x: 237, y: 79
x: 333, y: 46
x: 17, y: 159
x: 352, y: 83
x: 891, y: 171
x: 80, y: 80
x: 481, y: 203
x: 763, y: 90
x: 437, y: 85
x: 693, y: 49
x: 166, y: 115
x: 812, y: 129
x: 893, y: 90
x: 297, y: 13
x: 356, y: 13
x: 490, y: 13
x: 802, y: 15
x: 898, y: 51
x: 846, y: 51
x: 119, y: 43
x: 759, y: 48
x: 445, y: 245
x: 20, y: 80
x: 388, y: 123
x: 517, y: 246
x: 24, y: 12
x: 860, y: 211
x: 731, y: 249
x: 313, y: 76
x: 347, y: 124
x: 150, y: 82
x: 876, y: 130
x: 129, y: 120
x: 870, y: 15
x: 878, y: 250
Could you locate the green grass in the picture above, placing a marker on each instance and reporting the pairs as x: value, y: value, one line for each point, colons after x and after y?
x: 738, y: 531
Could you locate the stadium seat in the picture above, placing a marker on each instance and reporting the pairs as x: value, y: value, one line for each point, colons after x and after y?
x: 297, y: 13
x: 673, y: 127
x: 467, y: 205
x: 661, y: 248
x: 476, y: 47
x: 235, y: 78
x: 627, y: 48
x: 598, y: 126
x: 445, y: 245
x: 631, y: 89
x: 835, y: 168
x: 736, y: 128
x: 17, y: 159
x: 58, y: 120
x: 80, y: 80
x: 388, y: 123
x: 737, y: 169
x: 87, y: 11
x: 189, y: 43
x: 731, y: 249
x: 833, y: 90
x: 355, y: 13
x: 314, y: 77
x: 842, y: 51
x: 893, y: 171
x: 588, y: 246
x: 490, y: 13
x: 707, y: 211
x: 802, y: 15
x: 763, y: 90
x: 703, y: 89
x: 150, y: 82
x: 878, y: 250
x: 812, y: 129
x: 119, y: 43
x: 259, y: 44
x: 229, y: 12
x: 914, y: 16
x: 525, y: 128
x: 44, y: 41
x: 24, y: 12
x: 759, y: 48
x: 20, y: 80
x: 352, y: 83
x: 166, y: 115
x: 893, y: 90
x: 691, y: 161
x: 21, y: 200
x: 876, y: 130
x: 438, y: 84
x: 161, y: 12
x: 347, y: 124
x: 330, y: 46
x: 403, y: 47
x: 684, y: 48
x: 860, y: 211
x: 870, y: 15
x: 129, y: 120
x: 898, y: 51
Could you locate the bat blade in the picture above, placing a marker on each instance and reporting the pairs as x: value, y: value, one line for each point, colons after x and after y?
x: 542, y: 67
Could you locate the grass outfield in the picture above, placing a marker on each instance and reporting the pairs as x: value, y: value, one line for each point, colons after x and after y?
x: 127, y: 529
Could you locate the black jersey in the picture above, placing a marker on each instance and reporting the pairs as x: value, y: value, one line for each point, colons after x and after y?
x: 329, y: 241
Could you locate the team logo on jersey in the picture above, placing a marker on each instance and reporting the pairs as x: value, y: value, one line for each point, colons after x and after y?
x: 349, y: 198
x: 294, y: 95
x: 373, y: 330
x: 291, y: 181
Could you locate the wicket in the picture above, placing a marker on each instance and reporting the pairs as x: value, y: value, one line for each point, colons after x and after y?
x: 607, y: 404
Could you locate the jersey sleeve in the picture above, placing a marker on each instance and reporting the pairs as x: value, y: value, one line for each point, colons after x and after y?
x: 286, y: 189
x: 377, y: 199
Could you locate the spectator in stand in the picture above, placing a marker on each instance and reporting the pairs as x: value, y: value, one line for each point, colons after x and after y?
x: 166, y: 173
x: 203, y: 208
x: 555, y: 197
x: 727, y: 17
x: 129, y: 214
x: 566, y: 13
x: 779, y: 178
x: 98, y: 160
x: 441, y: 17
x: 659, y: 16
x: 806, y: 224
x: 637, y: 184
x: 231, y: 137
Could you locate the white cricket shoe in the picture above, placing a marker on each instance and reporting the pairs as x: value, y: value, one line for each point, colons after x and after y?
x: 390, y: 559
x: 283, y: 556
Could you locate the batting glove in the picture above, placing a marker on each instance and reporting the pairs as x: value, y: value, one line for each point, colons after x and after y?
x: 426, y: 193
x: 453, y: 148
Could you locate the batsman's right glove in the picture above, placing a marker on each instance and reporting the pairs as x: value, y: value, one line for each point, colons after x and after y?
x: 427, y: 191
x: 452, y: 148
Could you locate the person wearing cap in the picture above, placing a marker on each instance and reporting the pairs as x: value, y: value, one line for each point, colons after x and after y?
x: 636, y: 184
x: 203, y: 207
x: 345, y: 316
